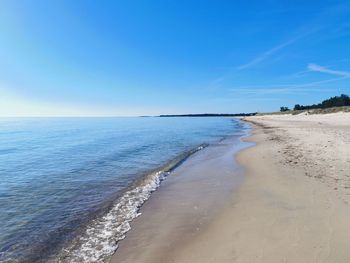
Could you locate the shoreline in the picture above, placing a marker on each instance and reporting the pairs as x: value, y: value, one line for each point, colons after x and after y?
x: 292, y: 205
x: 139, y: 191
x: 186, y: 203
x: 91, y: 180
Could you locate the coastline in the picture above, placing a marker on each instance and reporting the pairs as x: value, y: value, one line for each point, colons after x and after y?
x: 186, y: 203
x: 290, y: 206
x: 110, y: 228
x: 72, y: 201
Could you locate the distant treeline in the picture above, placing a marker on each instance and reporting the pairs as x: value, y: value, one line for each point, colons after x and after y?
x: 211, y: 115
x: 337, y: 101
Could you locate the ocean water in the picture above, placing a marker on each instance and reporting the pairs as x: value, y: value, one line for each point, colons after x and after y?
x: 69, y: 187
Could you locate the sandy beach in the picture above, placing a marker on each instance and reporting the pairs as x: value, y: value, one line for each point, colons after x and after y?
x: 291, y: 205
x: 186, y: 203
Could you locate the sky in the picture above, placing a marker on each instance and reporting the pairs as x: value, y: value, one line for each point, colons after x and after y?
x: 129, y: 58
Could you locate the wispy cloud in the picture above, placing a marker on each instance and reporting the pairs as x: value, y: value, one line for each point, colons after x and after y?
x: 286, y: 89
x: 267, y: 54
x: 318, y: 68
x: 303, y: 32
x: 280, y: 91
x: 322, y: 21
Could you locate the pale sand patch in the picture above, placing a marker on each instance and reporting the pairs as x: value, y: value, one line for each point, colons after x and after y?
x: 292, y: 205
x: 320, y: 144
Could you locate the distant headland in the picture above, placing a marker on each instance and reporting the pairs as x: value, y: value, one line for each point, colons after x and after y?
x: 211, y: 115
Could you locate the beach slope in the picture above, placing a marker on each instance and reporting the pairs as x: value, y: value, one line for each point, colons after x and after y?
x: 293, y: 203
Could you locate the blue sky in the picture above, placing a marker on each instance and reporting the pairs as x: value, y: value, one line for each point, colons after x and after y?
x: 93, y: 58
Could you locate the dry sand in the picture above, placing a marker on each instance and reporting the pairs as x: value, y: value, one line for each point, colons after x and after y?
x: 292, y: 206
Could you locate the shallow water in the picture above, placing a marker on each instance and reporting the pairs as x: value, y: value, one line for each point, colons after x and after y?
x: 77, y: 182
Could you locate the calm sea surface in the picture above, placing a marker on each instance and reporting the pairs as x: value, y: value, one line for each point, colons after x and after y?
x: 70, y: 186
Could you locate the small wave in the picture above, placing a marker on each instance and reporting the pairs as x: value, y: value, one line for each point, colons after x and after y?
x: 100, y: 239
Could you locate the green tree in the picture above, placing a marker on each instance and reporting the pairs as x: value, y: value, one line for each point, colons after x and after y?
x: 283, y: 109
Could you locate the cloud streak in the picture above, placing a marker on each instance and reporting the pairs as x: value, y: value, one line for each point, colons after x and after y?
x: 318, y: 68
x: 267, y: 54
x: 316, y: 25
x: 286, y: 89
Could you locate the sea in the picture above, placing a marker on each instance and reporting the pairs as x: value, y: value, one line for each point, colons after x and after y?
x: 69, y: 187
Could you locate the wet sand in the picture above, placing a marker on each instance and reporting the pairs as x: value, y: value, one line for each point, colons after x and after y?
x: 185, y: 204
x: 292, y: 204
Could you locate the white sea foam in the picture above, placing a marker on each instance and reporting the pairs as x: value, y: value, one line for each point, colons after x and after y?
x: 100, y: 240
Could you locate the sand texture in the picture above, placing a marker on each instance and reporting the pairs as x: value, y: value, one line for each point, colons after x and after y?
x: 291, y: 206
